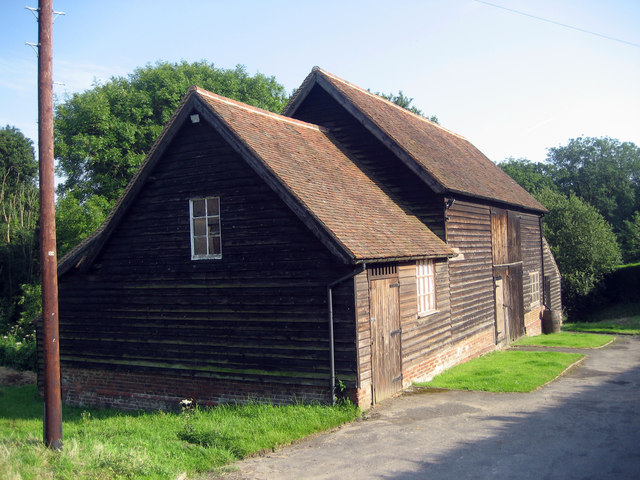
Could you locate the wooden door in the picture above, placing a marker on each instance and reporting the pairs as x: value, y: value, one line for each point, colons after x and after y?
x: 386, y: 355
x: 502, y: 326
x: 507, y: 274
x: 513, y: 294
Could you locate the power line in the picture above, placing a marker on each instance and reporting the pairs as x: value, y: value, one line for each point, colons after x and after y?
x: 558, y: 23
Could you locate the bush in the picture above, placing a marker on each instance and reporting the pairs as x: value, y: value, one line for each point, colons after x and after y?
x: 18, y: 353
x: 623, y: 284
x: 582, y: 243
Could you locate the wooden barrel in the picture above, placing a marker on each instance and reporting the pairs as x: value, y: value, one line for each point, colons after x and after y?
x: 551, y: 321
x: 556, y: 321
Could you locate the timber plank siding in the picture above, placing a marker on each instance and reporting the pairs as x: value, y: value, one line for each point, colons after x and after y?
x: 258, y: 313
x: 421, y: 336
x: 552, y: 280
x: 531, y: 255
x: 471, y: 278
x: 374, y: 158
x: 346, y: 195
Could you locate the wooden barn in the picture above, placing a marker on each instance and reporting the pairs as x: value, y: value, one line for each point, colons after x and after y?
x: 347, y: 242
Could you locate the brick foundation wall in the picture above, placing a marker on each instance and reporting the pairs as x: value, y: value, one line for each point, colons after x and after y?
x: 361, y: 396
x: 474, y: 346
x: 148, y: 391
x: 533, y: 321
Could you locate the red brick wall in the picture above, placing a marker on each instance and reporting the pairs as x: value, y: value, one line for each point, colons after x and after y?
x: 449, y: 356
x: 533, y: 321
x: 148, y: 391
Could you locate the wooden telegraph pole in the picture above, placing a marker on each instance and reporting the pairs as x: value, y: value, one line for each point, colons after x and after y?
x: 48, y: 257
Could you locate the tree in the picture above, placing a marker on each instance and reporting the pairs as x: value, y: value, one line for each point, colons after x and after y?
x: 18, y: 217
x: 103, y: 134
x: 405, y: 102
x: 630, y: 238
x: 75, y: 221
x: 531, y: 176
x: 581, y: 240
x: 604, y: 172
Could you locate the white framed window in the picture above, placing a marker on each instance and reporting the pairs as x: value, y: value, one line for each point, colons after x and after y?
x: 534, y: 282
x: 426, y: 284
x: 206, y: 239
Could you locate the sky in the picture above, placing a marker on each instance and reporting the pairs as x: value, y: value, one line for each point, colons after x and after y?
x: 512, y: 84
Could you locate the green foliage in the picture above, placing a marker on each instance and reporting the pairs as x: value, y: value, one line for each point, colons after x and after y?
x: 103, y: 134
x: 17, y: 158
x: 566, y: 340
x: 405, y: 102
x: 102, y: 444
x: 506, y: 371
x: 630, y: 238
x: 531, y: 176
x: 604, y: 172
x: 18, y: 352
x: 581, y: 240
x: 75, y: 221
x: 18, y: 218
x: 30, y: 303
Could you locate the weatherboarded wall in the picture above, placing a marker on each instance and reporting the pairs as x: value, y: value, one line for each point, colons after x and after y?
x: 471, y: 273
x: 252, y: 324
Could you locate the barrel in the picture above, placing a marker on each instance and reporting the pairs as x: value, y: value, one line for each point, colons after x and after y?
x: 552, y: 321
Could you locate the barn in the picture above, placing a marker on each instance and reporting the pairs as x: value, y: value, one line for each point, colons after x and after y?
x: 344, y: 248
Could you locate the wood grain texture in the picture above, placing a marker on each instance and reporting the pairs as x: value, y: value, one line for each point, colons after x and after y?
x: 257, y: 314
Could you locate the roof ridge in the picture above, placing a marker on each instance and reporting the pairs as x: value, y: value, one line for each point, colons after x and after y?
x: 259, y: 111
x: 378, y: 97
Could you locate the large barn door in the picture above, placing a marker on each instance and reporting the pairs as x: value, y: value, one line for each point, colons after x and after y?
x: 386, y: 355
x: 507, y: 274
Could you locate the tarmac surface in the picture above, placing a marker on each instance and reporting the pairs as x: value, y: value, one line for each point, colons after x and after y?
x: 583, y: 425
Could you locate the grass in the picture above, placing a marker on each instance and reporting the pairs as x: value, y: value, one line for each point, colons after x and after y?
x: 629, y: 326
x: 619, y: 318
x: 505, y: 371
x: 565, y: 339
x: 108, y: 444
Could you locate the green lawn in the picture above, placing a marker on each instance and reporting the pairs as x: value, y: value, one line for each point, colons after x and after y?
x: 505, y: 371
x: 108, y: 444
x: 569, y: 340
x: 622, y: 318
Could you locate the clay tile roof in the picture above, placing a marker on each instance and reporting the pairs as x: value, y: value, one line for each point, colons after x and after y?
x: 327, y: 184
x: 449, y: 159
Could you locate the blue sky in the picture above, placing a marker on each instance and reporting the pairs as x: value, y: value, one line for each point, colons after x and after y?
x: 511, y: 84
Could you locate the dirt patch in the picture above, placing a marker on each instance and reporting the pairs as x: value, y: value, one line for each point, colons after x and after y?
x: 13, y: 378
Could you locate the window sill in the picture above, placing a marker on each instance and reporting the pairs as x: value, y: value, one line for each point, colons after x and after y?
x: 425, y: 315
x: 207, y: 257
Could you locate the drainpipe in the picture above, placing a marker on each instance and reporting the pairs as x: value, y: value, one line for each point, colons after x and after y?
x: 332, y: 356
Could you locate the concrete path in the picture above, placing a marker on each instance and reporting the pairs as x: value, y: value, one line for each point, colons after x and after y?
x: 584, y: 425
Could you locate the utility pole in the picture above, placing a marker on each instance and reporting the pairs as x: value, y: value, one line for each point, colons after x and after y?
x: 48, y: 256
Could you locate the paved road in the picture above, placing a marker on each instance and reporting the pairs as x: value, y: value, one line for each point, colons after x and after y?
x: 584, y: 425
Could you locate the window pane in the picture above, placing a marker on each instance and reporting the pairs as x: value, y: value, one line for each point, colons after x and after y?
x: 200, y: 246
x: 205, y: 228
x: 214, y: 225
x: 199, y: 226
x: 213, y: 206
x: 198, y: 207
x: 426, y: 285
x: 214, y: 245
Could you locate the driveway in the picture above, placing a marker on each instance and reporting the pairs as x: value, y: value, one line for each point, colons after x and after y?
x: 584, y: 425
